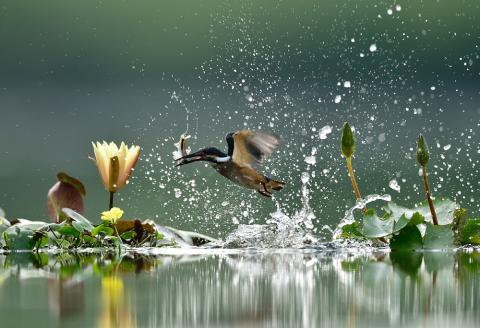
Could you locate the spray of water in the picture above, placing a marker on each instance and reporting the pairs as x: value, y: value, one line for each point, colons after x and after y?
x: 281, y: 229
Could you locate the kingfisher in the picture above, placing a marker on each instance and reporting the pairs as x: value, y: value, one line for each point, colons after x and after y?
x: 246, y: 152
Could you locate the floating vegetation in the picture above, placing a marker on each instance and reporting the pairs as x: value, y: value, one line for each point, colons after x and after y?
x: 69, y: 229
x: 404, y: 228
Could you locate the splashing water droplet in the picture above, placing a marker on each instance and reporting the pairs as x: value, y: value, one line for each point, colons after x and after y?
x: 373, y: 47
x: 393, y: 184
x: 311, y: 160
x: 324, y: 132
x: 338, y: 98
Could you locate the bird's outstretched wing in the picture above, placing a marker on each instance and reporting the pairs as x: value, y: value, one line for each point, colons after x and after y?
x: 250, y: 148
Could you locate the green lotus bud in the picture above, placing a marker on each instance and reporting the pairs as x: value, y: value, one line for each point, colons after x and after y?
x: 422, y: 151
x: 348, y: 141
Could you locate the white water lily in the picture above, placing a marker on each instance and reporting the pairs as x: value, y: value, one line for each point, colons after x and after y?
x: 114, y: 163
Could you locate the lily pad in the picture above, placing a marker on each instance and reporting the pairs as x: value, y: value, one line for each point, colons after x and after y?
x: 409, y: 238
x: 68, y: 230
x: 403, y: 216
x: 444, y: 208
x: 374, y: 226
x: 438, y: 237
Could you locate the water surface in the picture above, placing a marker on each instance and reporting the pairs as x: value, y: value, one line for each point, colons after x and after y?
x: 241, y: 288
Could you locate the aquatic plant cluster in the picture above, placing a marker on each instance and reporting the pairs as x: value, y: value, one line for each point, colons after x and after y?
x: 70, y: 229
x: 433, y: 224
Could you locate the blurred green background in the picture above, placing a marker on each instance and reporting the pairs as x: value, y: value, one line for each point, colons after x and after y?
x: 72, y: 72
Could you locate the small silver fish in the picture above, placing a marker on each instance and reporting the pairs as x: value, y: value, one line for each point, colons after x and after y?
x: 182, y: 148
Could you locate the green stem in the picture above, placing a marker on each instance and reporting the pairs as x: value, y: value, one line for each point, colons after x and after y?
x: 429, y: 197
x: 110, y: 203
x: 352, y: 178
x: 354, y: 182
x: 116, y: 231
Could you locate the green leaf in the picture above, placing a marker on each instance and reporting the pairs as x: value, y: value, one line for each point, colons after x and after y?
x: 460, y: 219
x: 409, y: 238
x: 40, y: 240
x: 108, y: 231
x: 68, y: 230
x: 401, y: 223
x: 349, y: 231
x: 63, y: 243
x: 76, y: 217
x: 17, y: 238
x: 438, y: 237
x: 444, y: 208
x: 375, y: 227
x: 92, y: 241
x: 471, y: 232
x: 416, y: 219
x: 128, y: 235
x: 403, y: 216
x: 81, y: 227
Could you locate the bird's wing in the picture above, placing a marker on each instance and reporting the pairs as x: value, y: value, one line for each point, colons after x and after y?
x: 252, y: 147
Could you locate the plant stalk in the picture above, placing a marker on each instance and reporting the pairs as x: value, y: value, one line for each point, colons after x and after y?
x: 352, y: 178
x: 429, y: 197
x: 110, y: 203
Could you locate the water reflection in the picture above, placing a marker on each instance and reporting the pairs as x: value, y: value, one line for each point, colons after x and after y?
x: 242, y: 289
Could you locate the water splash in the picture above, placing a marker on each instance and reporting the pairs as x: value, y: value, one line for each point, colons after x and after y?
x: 361, y: 203
x: 281, y: 230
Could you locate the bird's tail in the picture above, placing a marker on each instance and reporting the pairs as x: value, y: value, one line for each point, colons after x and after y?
x: 275, y: 185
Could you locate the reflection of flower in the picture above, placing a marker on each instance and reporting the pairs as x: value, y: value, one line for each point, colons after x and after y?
x: 115, y: 311
x: 113, y: 215
x: 115, y: 163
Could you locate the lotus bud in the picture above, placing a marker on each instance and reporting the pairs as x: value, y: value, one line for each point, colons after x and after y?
x: 348, y: 141
x: 67, y: 192
x: 422, y: 151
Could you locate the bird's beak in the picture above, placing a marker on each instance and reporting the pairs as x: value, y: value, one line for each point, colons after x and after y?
x: 194, y: 157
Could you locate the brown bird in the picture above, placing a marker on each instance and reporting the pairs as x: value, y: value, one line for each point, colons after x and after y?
x: 246, y: 152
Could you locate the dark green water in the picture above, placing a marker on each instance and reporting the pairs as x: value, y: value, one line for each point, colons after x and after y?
x: 215, y: 288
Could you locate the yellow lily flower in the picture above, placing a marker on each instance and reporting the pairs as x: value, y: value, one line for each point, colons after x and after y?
x: 114, y: 163
x: 113, y: 215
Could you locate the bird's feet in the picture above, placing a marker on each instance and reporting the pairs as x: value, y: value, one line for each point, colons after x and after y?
x: 264, y: 191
